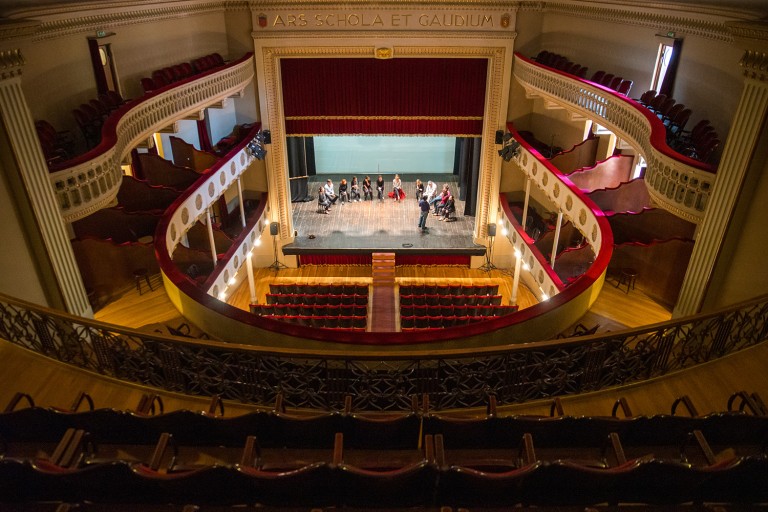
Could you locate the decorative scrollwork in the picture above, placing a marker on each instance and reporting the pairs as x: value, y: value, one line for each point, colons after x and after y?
x: 535, y: 371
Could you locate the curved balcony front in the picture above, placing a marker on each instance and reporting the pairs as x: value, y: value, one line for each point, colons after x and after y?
x: 92, y: 180
x: 677, y: 183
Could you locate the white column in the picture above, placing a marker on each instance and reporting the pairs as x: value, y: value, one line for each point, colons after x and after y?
x: 557, y: 239
x: 251, y: 282
x: 516, y: 279
x: 34, y: 177
x: 747, y: 123
x: 240, y: 199
x: 209, y: 222
x: 525, y: 203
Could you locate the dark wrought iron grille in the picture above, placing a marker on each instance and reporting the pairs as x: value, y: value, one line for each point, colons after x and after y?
x: 384, y: 382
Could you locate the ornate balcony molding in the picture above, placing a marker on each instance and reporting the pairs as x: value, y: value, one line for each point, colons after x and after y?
x: 193, y: 205
x: 93, y: 180
x: 676, y: 183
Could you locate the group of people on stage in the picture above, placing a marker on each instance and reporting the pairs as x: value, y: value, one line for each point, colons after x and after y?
x: 443, y: 202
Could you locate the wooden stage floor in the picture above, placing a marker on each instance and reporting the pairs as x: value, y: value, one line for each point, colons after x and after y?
x: 387, y: 226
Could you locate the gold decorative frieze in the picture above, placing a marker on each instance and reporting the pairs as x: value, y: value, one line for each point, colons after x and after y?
x: 11, y: 62
x: 755, y: 65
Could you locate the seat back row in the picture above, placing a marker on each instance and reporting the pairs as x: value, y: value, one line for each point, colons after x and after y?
x: 323, y: 289
x: 450, y: 300
x: 309, y: 309
x: 311, y: 299
x: 171, y: 74
x: 481, y: 311
x: 424, y: 476
x: 449, y: 289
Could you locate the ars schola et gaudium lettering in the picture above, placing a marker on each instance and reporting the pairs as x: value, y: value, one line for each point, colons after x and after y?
x: 400, y: 20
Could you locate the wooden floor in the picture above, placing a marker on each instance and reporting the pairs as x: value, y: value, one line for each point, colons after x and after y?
x: 385, y: 226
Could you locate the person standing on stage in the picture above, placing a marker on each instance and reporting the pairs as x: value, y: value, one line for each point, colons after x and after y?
x: 329, y: 192
x: 380, y: 187
x: 397, y: 187
x: 367, y: 189
x: 424, y: 206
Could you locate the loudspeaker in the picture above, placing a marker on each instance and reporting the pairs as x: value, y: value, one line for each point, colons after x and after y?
x: 491, y: 229
x: 499, y: 136
x: 274, y: 228
x: 267, y: 137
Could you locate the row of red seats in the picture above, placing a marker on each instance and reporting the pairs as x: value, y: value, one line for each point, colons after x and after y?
x: 90, y: 116
x: 313, y: 288
x: 425, y: 310
x: 309, y: 309
x: 449, y: 289
x: 553, y: 60
x: 329, y: 322
x: 437, y: 322
x: 316, y: 298
x: 450, y: 300
x: 171, y: 74
x: 700, y: 143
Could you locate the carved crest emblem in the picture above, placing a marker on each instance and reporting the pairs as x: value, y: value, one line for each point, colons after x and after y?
x: 263, y: 20
x: 505, y: 21
x: 383, y: 53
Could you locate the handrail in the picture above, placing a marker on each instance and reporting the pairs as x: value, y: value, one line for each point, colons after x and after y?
x: 387, y: 379
x: 681, y: 184
x: 92, y: 180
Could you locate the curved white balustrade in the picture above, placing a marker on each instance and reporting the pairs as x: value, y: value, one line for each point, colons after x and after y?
x: 91, y: 184
x: 587, y: 218
x: 194, y: 207
x: 677, y: 183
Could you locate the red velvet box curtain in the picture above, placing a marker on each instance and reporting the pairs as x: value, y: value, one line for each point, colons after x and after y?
x: 395, y: 96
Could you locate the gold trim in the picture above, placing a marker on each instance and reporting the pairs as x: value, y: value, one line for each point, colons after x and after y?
x: 375, y: 118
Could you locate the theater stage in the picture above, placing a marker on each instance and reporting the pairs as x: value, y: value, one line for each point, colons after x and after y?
x: 362, y: 228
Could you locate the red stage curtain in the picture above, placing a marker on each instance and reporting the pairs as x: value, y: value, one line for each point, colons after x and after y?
x: 432, y: 259
x: 335, y: 259
x: 396, y: 96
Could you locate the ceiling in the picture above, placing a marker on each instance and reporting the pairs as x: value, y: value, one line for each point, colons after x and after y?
x: 754, y: 8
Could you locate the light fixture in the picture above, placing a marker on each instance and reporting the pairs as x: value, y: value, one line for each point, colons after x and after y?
x: 231, y: 281
x: 222, y: 296
x: 256, y: 146
x: 510, y: 149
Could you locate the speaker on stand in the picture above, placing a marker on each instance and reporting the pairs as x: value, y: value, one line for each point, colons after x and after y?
x: 488, y: 266
x: 274, y: 229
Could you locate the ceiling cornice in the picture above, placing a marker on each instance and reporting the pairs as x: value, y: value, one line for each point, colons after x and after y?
x: 40, y: 23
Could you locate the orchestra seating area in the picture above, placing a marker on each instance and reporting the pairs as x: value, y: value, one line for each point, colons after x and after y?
x: 414, y: 458
x: 433, y: 306
x: 333, y: 306
x: 700, y: 143
x: 178, y: 72
x: 553, y: 60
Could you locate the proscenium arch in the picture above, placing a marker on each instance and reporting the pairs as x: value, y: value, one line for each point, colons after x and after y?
x: 495, y: 46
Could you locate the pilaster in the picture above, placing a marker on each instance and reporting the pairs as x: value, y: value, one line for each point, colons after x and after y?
x: 748, y: 121
x: 33, y: 175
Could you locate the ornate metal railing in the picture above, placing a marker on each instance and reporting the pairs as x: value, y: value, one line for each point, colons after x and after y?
x: 678, y: 183
x: 93, y: 180
x: 386, y: 380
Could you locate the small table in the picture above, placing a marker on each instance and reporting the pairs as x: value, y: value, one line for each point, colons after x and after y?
x: 627, y: 276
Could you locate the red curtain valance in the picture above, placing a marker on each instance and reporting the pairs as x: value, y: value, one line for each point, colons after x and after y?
x: 395, y: 96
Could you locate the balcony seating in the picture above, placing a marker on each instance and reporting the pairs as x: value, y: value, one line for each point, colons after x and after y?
x: 409, y: 458
x: 182, y: 71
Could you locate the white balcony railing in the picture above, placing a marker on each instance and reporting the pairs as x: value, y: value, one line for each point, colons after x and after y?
x: 677, y: 183
x: 93, y: 180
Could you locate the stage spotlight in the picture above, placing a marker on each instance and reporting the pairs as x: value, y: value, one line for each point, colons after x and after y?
x: 511, y: 148
x: 256, y: 146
